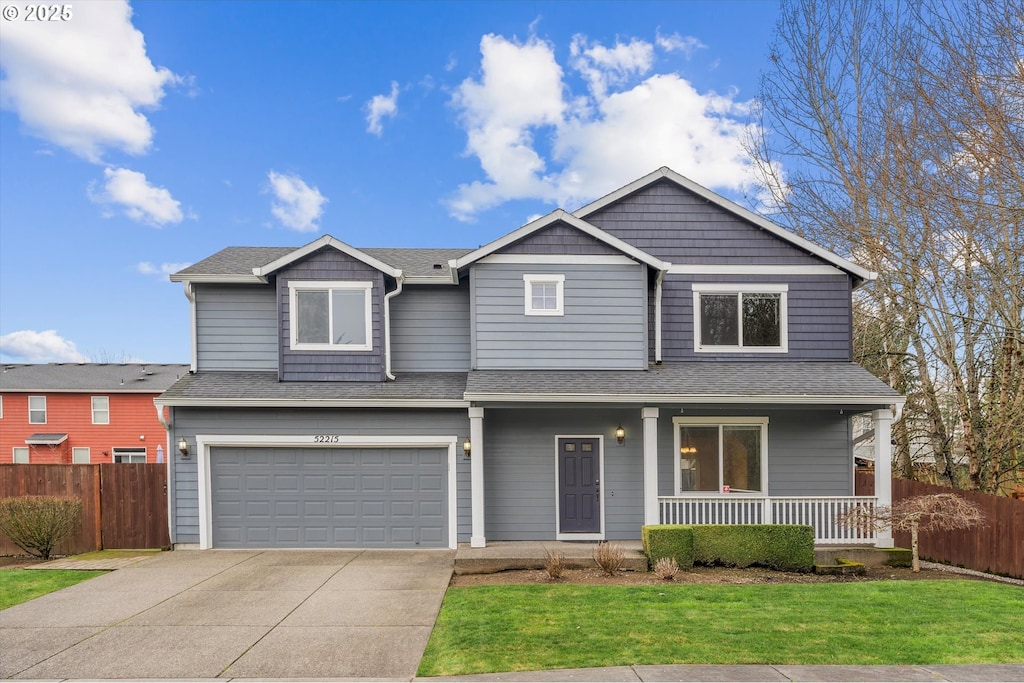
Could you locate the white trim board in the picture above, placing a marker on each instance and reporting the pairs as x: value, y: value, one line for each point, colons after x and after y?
x: 324, y: 241
x: 750, y: 269
x: 206, y: 441
x: 560, y: 259
x: 599, y: 536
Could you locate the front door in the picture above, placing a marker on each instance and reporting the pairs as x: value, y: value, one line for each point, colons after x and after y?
x: 579, y: 487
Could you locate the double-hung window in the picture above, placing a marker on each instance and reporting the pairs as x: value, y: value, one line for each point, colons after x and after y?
x: 721, y: 455
x: 101, y: 410
x: 740, y: 318
x: 544, y: 294
x: 37, y: 410
x: 331, y: 316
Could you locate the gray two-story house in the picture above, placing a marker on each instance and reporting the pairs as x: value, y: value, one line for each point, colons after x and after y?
x: 660, y: 355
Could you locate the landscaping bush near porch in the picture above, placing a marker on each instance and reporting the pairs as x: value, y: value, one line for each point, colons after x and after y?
x: 785, y: 547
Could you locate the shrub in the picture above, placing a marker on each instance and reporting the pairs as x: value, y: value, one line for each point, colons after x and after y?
x: 669, y: 540
x: 666, y: 568
x: 36, y: 524
x: 554, y: 565
x: 609, y: 557
x: 784, y: 547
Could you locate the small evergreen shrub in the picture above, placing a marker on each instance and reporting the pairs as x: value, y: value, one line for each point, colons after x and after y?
x: 784, y: 547
x: 669, y: 540
x: 609, y: 557
x: 36, y: 524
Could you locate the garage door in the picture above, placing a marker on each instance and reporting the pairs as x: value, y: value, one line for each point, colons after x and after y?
x: 329, y: 497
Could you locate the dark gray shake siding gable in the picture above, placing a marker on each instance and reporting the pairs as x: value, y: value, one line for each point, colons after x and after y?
x: 430, y: 329
x: 236, y: 327
x: 355, y: 366
x: 560, y: 239
x: 604, y: 325
x: 302, y: 422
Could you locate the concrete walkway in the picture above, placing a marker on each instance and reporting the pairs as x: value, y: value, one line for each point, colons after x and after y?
x: 234, y: 614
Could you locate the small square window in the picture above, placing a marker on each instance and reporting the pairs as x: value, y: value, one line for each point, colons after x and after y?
x: 20, y: 455
x: 80, y: 456
x: 544, y: 294
x: 100, y: 410
x: 37, y: 410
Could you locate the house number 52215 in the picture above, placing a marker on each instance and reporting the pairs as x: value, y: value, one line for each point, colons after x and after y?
x: 326, y: 438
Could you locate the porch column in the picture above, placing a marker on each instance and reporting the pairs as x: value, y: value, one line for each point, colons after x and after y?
x: 476, y: 477
x: 651, y: 513
x: 883, y: 469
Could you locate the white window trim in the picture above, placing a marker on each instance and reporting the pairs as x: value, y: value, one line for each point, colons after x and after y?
x: 700, y: 288
x: 79, y: 449
x: 1, y: 407
x: 716, y: 421
x: 30, y: 409
x: 14, y: 454
x: 599, y: 536
x: 531, y: 279
x: 293, y: 312
x: 92, y: 405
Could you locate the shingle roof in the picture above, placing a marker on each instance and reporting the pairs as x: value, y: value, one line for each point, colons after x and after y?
x: 241, y: 260
x: 113, y: 378
x: 264, y: 388
x: 724, y: 381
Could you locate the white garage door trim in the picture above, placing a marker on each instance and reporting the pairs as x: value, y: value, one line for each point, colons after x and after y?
x: 204, y: 442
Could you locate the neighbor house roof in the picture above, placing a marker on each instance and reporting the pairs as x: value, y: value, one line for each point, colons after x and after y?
x: 697, y: 382
x: 263, y: 389
x: 112, y: 378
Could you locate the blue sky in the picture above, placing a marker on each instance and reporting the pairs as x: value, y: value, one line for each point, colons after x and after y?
x: 137, y: 139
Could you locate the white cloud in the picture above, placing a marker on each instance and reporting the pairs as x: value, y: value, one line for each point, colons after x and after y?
x: 40, y: 347
x: 298, y: 206
x: 688, y: 45
x: 379, y: 107
x: 537, y: 139
x: 80, y: 84
x: 160, y: 271
x: 141, y: 201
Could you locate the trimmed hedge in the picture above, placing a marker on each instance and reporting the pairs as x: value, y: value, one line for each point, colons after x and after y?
x: 784, y: 547
x: 669, y: 540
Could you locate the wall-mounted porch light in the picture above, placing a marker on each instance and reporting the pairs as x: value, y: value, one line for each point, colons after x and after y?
x: 183, y: 447
x: 620, y: 434
x: 467, y: 448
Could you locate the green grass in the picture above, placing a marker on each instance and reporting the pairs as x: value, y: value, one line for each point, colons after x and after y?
x: 21, y: 585
x: 536, y: 627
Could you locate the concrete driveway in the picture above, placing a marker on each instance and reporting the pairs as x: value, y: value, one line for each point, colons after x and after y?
x: 235, y: 614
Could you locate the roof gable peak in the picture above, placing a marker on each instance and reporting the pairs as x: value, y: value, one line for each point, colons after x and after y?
x: 327, y: 241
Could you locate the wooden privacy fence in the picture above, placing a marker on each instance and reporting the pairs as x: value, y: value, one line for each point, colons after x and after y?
x: 997, y: 547
x: 123, y: 505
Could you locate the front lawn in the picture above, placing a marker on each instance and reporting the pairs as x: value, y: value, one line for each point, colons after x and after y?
x: 536, y: 627
x: 20, y: 585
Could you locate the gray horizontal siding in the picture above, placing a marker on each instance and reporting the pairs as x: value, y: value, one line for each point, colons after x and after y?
x: 236, y: 327
x: 604, y: 324
x: 353, y: 366
x: 188, y: 422
x: 819, y: 317
x: 430, y: 329
x: 519, y: 471
x: 677, y: 226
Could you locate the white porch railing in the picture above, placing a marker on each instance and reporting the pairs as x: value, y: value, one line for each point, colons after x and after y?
x: 819, y: 512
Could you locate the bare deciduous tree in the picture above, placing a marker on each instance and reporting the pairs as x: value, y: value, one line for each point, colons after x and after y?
x: 895, y: 136
x: 934, y: 512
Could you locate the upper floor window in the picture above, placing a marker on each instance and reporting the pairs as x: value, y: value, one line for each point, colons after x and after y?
x: 329, y: 316
x: 544, y: 294
x: 100, y: 410
x: 37, y: 410
x: 734, y: 318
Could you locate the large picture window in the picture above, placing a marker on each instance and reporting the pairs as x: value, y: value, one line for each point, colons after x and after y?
x: 731, y: 318
x: 721, y: 455
x: 327, y: 316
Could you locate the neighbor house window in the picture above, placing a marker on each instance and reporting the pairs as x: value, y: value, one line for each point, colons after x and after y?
x: 80, y: 456
x: 721, y: 455
x: 328, y: 316
x: 21, y: 455
x: 100, y: 410
x: 37, y: 410
x: 129, y: 455
x: 544, y: 294
x: 731, y: 318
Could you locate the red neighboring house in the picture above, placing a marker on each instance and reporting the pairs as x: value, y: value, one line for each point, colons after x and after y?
x: 83, y: 412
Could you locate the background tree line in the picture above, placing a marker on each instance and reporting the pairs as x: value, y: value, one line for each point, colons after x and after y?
x: 894, y: 134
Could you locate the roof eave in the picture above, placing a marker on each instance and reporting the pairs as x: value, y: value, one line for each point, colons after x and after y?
x: 220, y: 278
x: 310, y: 403
x: 720, y: 399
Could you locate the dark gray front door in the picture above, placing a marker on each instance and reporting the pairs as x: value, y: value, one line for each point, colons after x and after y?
x: 579, y: 489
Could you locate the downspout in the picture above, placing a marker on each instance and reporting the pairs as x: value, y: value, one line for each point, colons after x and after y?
x: 657, y: 314
x: 399, y: 279
x: 190, y: 294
